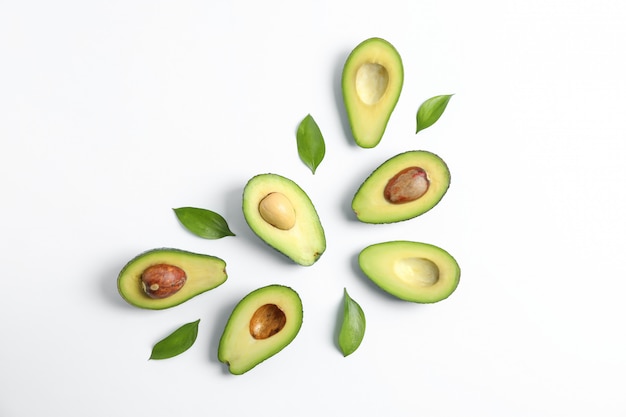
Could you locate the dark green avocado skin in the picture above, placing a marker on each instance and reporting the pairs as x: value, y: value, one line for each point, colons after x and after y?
x: 369, y: 203
x: 204, y: 273
x: 371, y: 82
x: 305, y: 242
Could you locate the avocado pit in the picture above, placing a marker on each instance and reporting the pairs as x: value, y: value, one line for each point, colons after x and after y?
x: 276, y: 209
x: 407, y: 185
x: 266, y: 321
x: 162, y: 280
x: 371, y: 80
x: 418, y: 271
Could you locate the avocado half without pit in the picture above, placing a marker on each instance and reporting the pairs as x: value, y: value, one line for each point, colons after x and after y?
x: 165, y: 277
x: 262, y: 324
x: 403, y: 187
x: 371, y: 83
x: 280, y: 213
x: 412, y: 271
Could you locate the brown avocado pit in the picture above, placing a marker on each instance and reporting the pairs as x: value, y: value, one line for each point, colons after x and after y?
x: 268, y: 320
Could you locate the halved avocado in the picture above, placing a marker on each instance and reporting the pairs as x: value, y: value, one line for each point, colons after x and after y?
x: 405, y: 186
x: 262, y: 324
x: 283, y: 216
x: 165, y: 277
x: 412, y: 271
x: 371, y: 83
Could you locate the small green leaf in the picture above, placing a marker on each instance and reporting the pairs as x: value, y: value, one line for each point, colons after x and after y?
x: 352, y: 327
x: 311, y: 146
x: 177, y: 342
x: 204, y: 223
x: 431, y: 110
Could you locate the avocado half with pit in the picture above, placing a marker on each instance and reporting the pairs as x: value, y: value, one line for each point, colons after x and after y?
x: 283, y: 216
x: 371, y: 83
x: 262, y: 324
x: 403, y: 187
x: 412, y: 271
x: 165, y: 277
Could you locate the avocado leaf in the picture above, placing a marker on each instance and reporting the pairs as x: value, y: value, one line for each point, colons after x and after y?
x: 352, y: 327
x: 203, y: 223
x: 431, y: 110
x: 177, y: 342
x: 311, y: 146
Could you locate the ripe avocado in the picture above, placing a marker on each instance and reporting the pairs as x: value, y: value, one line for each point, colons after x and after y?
x: 405, y: 186
x: 165, y: 277
x: 371, y: 83
x: 283, y: 216
x: 411, y: 271
x: 261, y: 325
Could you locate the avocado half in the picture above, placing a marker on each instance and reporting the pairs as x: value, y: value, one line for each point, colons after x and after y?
x: 412, y: 271
x: 371, y: 83
x: 403, y: 187
x: 262, y: 324
x: 283, y: 216
x: 203, y: 273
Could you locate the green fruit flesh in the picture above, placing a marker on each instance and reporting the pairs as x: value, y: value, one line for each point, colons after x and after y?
x: 370, y: 204
x: 371, y: 83
x: 203, y: 272
x: 303, y: 239
x: 411, y: 271
x: 262, y: 324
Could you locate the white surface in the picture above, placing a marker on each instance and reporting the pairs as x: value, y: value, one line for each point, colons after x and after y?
x: 112, y: 114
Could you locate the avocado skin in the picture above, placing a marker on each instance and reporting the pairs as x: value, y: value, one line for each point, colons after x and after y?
x: 305, y: 243
x: 238, y: 349
x: 380, y: 263
x: 368, y: 122
x: 369, y: 204
x: 204, y: 273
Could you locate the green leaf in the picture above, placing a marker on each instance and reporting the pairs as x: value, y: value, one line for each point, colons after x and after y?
x: 177, y: 342
x: 352, y: 327
x: 204, y: 223
x: 431, y: 110
x: 311, y: 146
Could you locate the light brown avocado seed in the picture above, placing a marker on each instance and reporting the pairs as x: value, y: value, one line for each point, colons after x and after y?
x: 276, y: 209
x: 371, y: 80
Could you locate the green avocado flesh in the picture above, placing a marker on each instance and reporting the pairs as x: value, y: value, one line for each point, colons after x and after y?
x: 417, y: 180
x: 262, y: 324
x: 203, y: 273
x: 302, y: 239
x: 371, y: 83
x: 411, y: 271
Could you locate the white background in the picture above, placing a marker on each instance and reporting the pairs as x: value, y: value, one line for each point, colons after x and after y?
x: 113, y: 113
